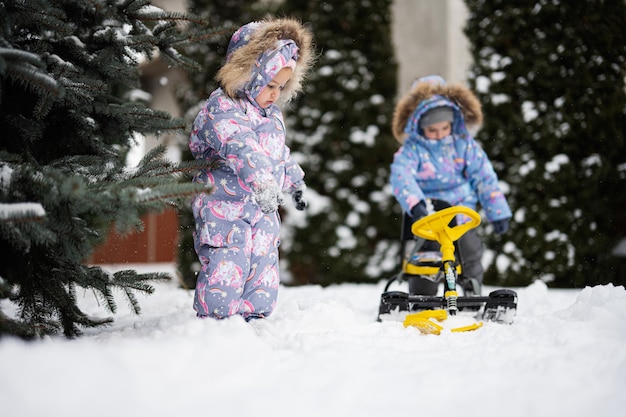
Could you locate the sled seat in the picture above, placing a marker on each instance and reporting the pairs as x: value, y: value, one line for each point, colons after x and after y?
x: 424, y: 258
x: 428, y: 268
x: 424, y: 263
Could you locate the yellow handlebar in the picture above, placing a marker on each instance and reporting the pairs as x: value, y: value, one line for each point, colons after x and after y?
x: 436, y: 227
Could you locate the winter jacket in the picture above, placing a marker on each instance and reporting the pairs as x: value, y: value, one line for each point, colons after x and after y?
x: 454, y: 169
x: 245, y: 142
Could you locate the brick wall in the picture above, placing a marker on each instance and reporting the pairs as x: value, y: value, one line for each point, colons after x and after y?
x: 157, y: 243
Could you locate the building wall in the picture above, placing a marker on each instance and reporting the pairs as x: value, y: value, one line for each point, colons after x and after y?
x: 157, y: 243
x: 428, y: 38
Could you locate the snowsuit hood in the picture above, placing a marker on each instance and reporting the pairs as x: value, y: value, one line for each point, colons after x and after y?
x: 430, y: 92
x: 259, y: 50
x: 454, y: 169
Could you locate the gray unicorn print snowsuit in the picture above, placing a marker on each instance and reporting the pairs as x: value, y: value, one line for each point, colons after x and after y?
x: 236, y: 240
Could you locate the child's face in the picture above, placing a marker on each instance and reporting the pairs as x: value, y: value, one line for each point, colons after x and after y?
x: 271, y: 92
x: 438, y: 131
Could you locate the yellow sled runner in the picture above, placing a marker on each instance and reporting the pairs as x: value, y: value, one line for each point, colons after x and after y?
x: 422, y: 321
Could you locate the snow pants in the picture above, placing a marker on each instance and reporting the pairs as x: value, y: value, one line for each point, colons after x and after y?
x: 470, y: 248
x: 237, y: 246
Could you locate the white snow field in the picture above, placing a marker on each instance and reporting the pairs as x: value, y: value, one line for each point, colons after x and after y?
x: 322, y: 353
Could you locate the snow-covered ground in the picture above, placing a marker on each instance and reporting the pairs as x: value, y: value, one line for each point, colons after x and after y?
x: 322, y: 353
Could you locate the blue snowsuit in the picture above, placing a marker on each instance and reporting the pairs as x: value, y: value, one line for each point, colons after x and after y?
x: 236, y: 243
x: 454, y: 169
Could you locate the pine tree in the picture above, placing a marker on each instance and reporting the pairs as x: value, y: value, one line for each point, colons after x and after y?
x: 551, y: 76
x: 69, y: 74
x: 339, y: 131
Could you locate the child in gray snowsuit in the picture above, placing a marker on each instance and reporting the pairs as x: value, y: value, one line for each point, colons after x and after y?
x: 241, y: 129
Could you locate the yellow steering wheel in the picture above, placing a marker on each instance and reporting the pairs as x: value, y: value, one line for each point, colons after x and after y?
x: 436, y: 227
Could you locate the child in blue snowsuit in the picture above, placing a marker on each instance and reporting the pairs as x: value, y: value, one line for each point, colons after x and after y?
x: 439, y: 159
x: 241, y: 130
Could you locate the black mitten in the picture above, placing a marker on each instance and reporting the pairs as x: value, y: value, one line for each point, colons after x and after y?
x: 419, y: 210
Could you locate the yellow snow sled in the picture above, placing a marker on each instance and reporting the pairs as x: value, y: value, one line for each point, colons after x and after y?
x: 423, y: 269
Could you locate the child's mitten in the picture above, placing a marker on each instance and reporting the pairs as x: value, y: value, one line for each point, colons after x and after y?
x: 500, y: 226
x: 268, y: 197
x: 299, y: 201
x: 419, y: 210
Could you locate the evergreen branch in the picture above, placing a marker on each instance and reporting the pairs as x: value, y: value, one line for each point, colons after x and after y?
x: 151, y: 165
x: 9, y: 326
x: 33, y: 79
x: 132, y: 6
x: 11, y: 54
x: 86, y: 321
x: 140, y: 43
x: 202, y: 36
x: 132, y: 300
x: 128, y: 280
x: 81, y: 92
x: 169, y: 192
x: 128, y: 224
x: 89, y: 167
x: 30, y: 131
x: 42, y: 108
x: 146, y: 120
x: 43, y: 15
x: 175, y: 58
x: 23, y: 236
x: 154, y: 153
x: 181, y: 168
x: 99, y: 281
x: 152, y: 16
x: 163, y: 27
x: 26, y: 218
x: 154, y: 171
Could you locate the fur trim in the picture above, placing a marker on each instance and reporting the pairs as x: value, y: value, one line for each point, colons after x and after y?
x: 234, y: 74
x: 460, y: 95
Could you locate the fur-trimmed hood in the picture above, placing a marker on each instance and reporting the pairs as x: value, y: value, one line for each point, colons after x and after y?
x: 259, y: 50
x: 430, y: 92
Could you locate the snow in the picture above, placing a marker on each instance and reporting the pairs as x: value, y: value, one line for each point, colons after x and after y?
x: 557, y: 161
x: 529, y: 111
x: 367, y: 137
x: 322, y: 353
x: 21, y: 210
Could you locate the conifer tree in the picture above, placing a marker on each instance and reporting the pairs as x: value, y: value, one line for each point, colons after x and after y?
x: 339, y: 131
x: 69, y: 73
x: 551, y: 76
